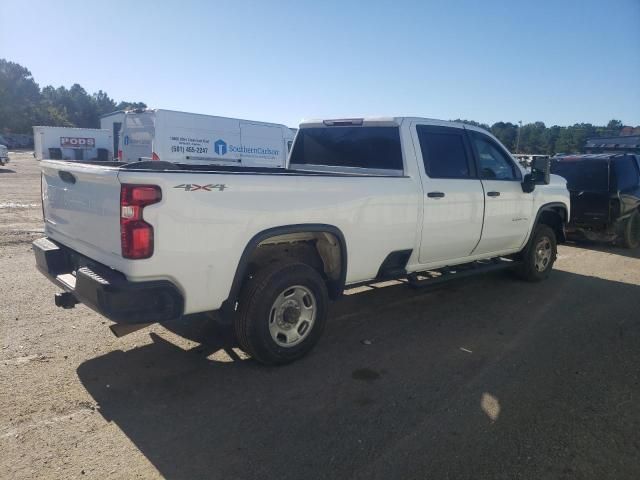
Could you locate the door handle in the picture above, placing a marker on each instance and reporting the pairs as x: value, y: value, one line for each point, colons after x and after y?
x: 66, y: 177
x: 493, y: 194
x: 435, y: 195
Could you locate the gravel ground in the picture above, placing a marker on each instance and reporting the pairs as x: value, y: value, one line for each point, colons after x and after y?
x: 486, y: 378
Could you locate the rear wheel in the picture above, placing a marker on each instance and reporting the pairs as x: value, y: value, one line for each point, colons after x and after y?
x: 631, y: 231
x: 539, y: 255
x: 282, y: 312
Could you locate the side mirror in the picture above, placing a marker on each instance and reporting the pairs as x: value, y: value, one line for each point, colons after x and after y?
x: 540, y: 174
x: 528, y: 185
x: 541, y: 171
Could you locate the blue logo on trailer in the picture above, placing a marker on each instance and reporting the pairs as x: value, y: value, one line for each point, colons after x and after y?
x: 220, y: 147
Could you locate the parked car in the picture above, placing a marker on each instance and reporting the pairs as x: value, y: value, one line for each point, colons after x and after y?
x: 361, y: 201
x: 4, y: 155
x: 605, y: 196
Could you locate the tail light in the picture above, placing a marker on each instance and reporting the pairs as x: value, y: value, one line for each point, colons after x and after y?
x: 136, y: 235
x: 120, y: 155
x: 154, y: 156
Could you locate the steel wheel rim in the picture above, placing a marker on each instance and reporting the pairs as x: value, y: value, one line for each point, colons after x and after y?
x: 292, y: 316
x: 543, y: 253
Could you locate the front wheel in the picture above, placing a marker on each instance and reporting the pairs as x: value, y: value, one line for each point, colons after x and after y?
x: 631, y: 232
x: 281, y: 313
x: 538, y: 257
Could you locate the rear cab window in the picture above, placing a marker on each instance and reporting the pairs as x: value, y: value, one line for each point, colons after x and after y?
x: 367, y: 149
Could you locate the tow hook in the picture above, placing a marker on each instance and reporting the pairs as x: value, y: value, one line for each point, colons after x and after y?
x: 65, y: 300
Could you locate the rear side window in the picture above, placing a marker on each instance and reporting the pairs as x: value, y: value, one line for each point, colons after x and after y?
x: 626, y: 172
x: 444, y: 152
x: 353, y: 147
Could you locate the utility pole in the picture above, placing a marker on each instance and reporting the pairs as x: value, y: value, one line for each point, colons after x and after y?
x: 518, y: 140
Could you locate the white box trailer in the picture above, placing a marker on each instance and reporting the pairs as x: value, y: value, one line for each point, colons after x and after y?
x: 113, y: 122
x: 193, y: 138
x: 67, y: 143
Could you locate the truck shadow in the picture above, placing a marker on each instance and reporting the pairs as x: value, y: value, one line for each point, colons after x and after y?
x: 465, y: 381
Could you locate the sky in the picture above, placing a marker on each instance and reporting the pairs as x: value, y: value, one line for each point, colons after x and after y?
x: 560, y: 62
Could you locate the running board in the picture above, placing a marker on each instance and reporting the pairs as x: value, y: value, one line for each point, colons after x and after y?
x: 436, y: 277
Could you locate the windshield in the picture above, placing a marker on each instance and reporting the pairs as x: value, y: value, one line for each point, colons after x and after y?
x: 586, y: 175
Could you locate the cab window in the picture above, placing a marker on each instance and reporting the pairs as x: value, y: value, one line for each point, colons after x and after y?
x: 352, y: 147
x: 493, y: 162
x: 444, y: 152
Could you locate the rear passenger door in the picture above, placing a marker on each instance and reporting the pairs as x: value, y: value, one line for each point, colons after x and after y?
x: 507, y: 208
x: 452, y: 194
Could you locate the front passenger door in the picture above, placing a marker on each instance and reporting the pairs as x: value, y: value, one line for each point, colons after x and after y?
x: 507, y: 208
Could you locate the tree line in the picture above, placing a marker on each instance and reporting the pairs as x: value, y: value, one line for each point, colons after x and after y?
x: 24, y: 104
x: 537, y: 138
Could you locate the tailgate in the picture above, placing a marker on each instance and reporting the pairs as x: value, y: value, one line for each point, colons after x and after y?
x: 81, y: 206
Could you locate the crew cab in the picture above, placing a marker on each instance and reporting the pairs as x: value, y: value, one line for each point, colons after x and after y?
x: 605, y: 196
x: 361, y: 200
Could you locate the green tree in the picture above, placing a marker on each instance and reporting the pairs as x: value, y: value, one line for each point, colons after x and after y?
x: 614, y: 125
x: 55, y: 112
x: 474, y: 123
x: 130, y: 105
x: 532, y: 138
x: 567, y: 141
x: 19, y: 98
x: 550, y: 139
x: 23, y: 104
x: 507, y: 133
x: 104, y: 103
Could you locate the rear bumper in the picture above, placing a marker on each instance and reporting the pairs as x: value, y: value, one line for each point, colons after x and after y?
x: 107, y: 291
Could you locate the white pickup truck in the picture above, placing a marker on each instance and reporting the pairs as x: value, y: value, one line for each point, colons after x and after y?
x: 361, y: 200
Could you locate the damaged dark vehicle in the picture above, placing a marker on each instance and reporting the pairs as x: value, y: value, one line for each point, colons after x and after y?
x: 605, y: 196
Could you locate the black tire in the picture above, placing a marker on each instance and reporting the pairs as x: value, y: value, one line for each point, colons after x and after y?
x: 532, y: 267
x: 253, y: 316
x: 631, y: 231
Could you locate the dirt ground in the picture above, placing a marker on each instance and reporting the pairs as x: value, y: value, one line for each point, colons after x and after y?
x: 489, y: 378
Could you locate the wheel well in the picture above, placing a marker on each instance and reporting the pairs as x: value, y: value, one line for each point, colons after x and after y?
x: 555, y: 218
x: 322, y: 250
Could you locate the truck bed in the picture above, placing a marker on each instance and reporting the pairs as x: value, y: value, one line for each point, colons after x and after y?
x: 224, y: 207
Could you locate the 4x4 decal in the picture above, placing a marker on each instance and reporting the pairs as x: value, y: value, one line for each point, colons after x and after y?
x: 192, y: 187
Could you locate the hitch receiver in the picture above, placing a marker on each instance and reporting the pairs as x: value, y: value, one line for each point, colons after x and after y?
x: 65, y: 300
